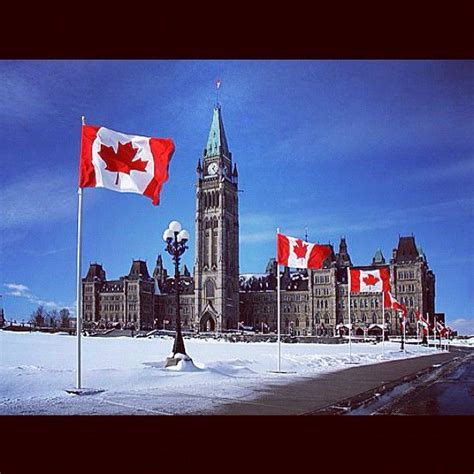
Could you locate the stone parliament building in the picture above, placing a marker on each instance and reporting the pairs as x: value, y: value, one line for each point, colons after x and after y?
x: 216, y: 297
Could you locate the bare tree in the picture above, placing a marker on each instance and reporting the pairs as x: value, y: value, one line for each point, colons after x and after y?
x: 64, y: 317
x: 38, y: 316
x: 53, y: 318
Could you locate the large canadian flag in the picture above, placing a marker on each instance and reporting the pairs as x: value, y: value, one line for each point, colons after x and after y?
x: 297, y: 253
x: 124, y: 163
x: 370, y: 281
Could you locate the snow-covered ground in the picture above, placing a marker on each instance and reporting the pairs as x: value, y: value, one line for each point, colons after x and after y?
x: 469, y: 342
x: 35, y: 369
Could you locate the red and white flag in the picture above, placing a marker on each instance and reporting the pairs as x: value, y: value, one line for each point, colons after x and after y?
x: 218, y: 83
x: 391, y: 302
x: 370, y: 281
x: 442, y: 331
x: 124, y: 163
x: 297, y: 253
x: 420, y: 319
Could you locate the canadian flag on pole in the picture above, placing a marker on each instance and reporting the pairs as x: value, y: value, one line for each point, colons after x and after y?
x: 420, y: 319
x: 391, y: 302
x: 370, y: 281
x: 124, y: 163
x: 296, y: 253
x: 441, y: 329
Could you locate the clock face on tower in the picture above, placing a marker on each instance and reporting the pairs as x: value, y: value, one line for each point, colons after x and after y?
x: 212, y: 168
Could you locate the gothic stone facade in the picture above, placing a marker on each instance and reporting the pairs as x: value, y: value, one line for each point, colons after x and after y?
x: 217, y: 298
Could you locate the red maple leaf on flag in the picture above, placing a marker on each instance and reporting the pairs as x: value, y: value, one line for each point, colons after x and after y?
x: 370, y: 279
x: 300, y: 249
x: 121, y: 160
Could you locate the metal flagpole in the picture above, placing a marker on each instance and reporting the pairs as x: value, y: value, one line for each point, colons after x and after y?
x: 278, y: 307
x: 383, y: 323
x: 404, y: 334
x: 417, y: 327
x: 428, y: 328
x: 349, y: 311
x: 79, y: 282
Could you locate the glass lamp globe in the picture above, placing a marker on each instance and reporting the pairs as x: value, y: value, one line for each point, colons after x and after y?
x: 183, y: 235
x: 175, y: 226
x: 168, y: 234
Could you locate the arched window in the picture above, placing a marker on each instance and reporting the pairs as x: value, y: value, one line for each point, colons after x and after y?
x: 297, y: 323
x: 209, y: 288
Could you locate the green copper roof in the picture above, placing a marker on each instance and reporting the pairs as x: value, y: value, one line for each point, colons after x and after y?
x: 217, y: 138
x: 378, y: 258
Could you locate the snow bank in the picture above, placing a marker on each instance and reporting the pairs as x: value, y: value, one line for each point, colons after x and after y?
x: 36, y: 368
x: 463, y: 342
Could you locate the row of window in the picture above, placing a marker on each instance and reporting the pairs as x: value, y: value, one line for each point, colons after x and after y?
x: 406, y: 288
x: 294, y: 309
x: 113, y: 318
x: 321, y: 303
x: 110, y: 298
x: 406, y: 275
x: 322, y: 291
x: 321, y: 279
x: 295, y: 297
x: 316, y: 321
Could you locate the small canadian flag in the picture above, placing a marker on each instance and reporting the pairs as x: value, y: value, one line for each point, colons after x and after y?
x: 296, y: 253
x: 391, y: 302
x: 370, y: 281
x: 124, y: 163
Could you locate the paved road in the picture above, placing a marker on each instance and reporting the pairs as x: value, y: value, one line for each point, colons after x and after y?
x: 448, y: 391
x: 337, y: 392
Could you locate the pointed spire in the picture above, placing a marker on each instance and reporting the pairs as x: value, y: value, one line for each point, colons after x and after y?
x: 217, y: 141
x: 199, y: 168
x: 235, y: 173
x: 378, y: 259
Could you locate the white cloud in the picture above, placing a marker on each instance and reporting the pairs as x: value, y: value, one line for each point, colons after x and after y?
x: 17, y: 287
x: 464, y: 326
x: 36, y: 198
x: 22, y: 291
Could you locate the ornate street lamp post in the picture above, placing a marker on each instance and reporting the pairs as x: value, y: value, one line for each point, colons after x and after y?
x: 176, y: 238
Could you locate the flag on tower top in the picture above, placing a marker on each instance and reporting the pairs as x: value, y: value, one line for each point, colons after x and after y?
x: 295, y: 253
x: 218, y: 83
x: 124, y: 163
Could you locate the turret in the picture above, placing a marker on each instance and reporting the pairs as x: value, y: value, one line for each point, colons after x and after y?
x: 378, y: 259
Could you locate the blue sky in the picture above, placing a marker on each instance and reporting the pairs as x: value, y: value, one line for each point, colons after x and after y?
x: 365, y: 149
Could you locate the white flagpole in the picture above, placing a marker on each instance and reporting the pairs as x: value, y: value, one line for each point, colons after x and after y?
x: 417, y: 327
x: 383, y: 323
x: 404, y: 334
x: 349, y: 311
x: 278, y: 307
x: 428, y: 328
x: 79, y: 282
